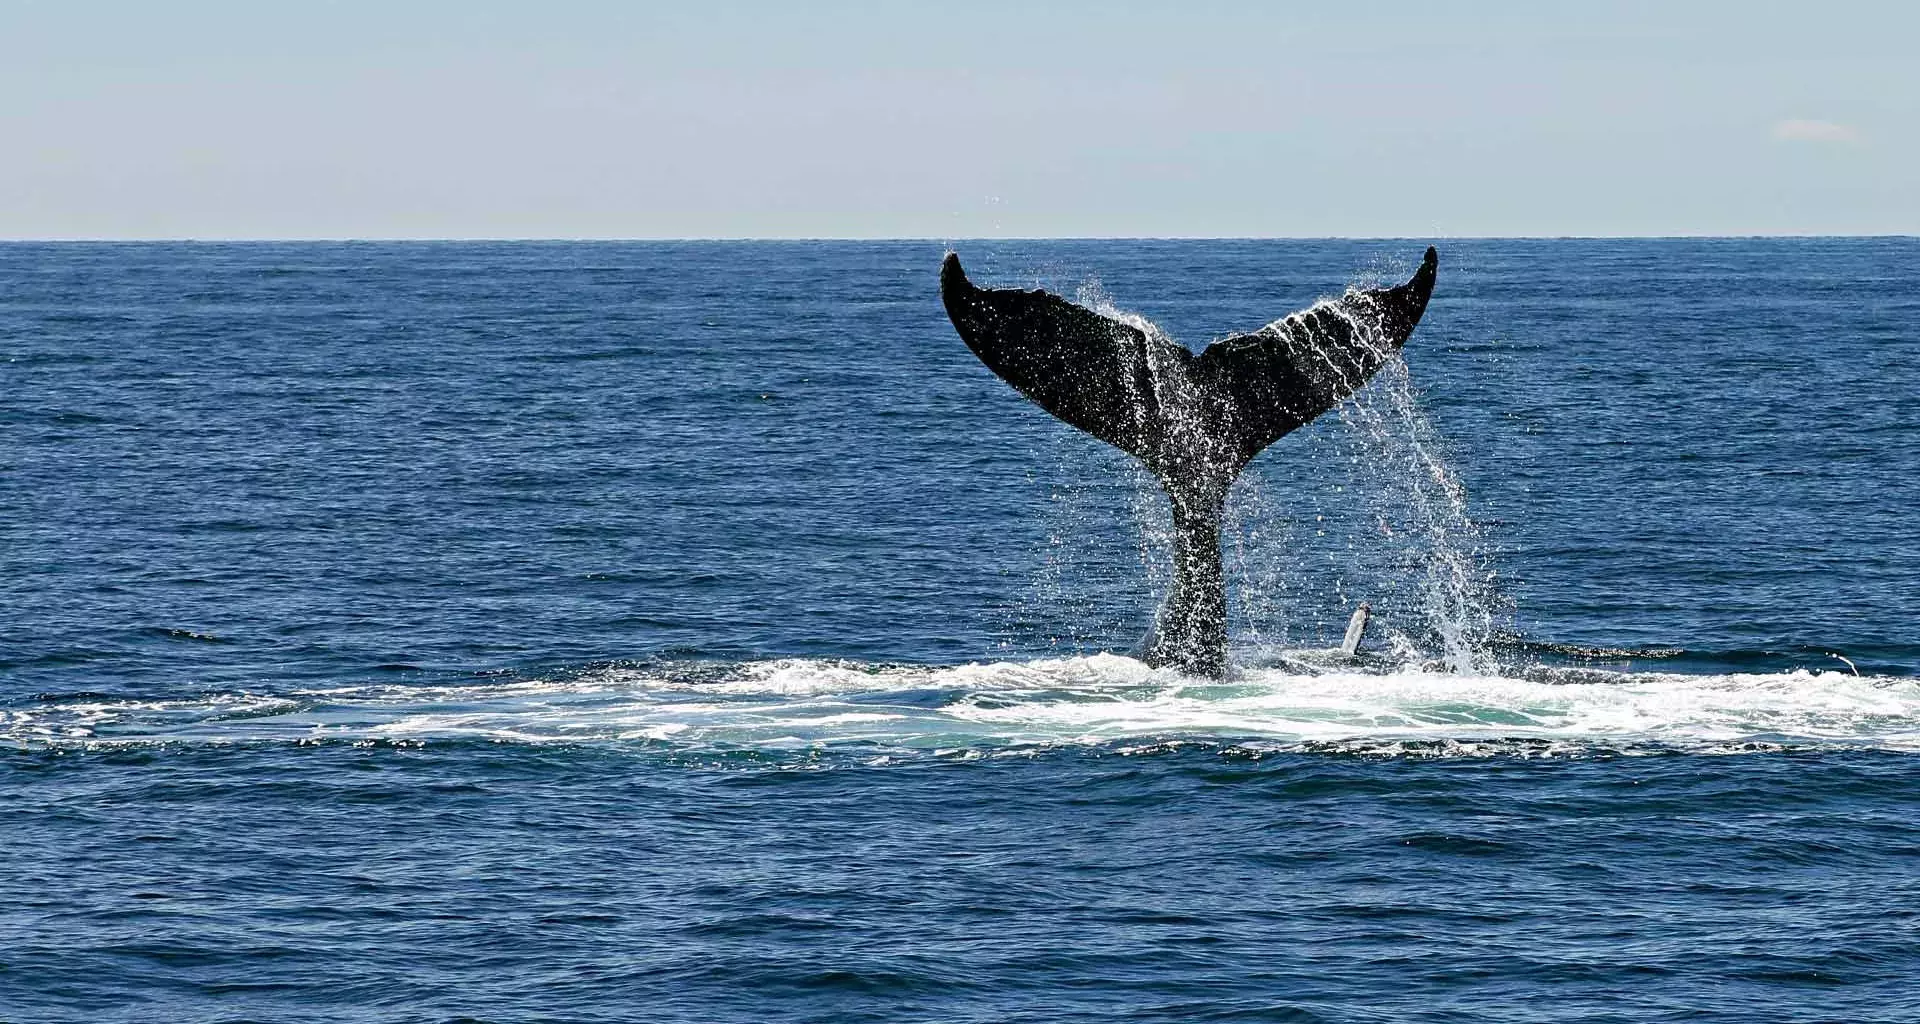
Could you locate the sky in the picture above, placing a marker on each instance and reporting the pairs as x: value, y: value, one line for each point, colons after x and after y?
x: 719, y: 119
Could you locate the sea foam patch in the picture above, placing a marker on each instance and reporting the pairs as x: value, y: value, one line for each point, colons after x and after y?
x: 1099, y: 700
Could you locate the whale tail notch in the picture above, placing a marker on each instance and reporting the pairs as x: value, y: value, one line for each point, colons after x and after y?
x: 1194, y: 420
x: 1148, y: 396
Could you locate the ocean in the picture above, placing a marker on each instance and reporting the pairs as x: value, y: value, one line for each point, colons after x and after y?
x: 698, y: 632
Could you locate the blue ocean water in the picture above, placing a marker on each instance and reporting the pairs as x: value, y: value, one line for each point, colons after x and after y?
x: 697, y: 632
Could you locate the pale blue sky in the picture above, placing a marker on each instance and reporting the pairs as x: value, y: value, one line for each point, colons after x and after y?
x: 951, y: 120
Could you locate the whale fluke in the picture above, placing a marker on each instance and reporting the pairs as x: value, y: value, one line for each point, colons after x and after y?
x: 1195, y: 421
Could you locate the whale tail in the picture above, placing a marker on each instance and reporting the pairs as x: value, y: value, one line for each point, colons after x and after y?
x: 1195, y: 421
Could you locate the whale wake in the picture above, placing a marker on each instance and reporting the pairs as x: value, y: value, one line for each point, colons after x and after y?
x: 811, y: 707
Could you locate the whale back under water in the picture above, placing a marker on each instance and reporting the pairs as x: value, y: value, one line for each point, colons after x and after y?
x: 1195, y: 421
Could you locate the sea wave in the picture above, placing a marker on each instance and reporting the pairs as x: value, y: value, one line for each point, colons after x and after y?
x: 1102, y: 700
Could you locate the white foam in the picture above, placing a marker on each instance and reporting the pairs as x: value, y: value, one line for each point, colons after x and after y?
x: 1646, y: 708
x: 1103, y: 699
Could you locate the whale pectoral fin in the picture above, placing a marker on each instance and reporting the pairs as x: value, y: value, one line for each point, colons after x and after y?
x: 1090, y: 370
x: 1280, y: 377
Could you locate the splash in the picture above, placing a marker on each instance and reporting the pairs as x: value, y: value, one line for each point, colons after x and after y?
x: 1095, y: 588
x: 1375, y: 513
x: 1419, y: 508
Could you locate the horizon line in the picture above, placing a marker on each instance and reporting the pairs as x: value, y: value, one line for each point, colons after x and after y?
x: 946, y: 239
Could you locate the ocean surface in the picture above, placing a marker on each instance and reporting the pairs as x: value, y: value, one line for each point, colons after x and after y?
x: 698, y: 632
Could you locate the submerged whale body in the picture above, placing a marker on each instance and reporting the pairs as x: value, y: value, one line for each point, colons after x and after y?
x: 1195, y: 421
